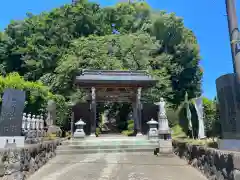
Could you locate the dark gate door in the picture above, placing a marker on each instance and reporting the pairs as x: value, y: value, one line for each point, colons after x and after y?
x: 149, y: 111
x: 83, y: 111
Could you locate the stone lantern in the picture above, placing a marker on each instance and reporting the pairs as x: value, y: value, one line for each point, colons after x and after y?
x: 79, y: 132
x: 153, y: 131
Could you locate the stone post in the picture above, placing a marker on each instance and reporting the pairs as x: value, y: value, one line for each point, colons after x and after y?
x: 24, y: 124
x: 29, y: 122
x: 38, y: 127
x: 29, y: 129
x: 33, y: 122
x: 42, y: 125
x: 34, y: 132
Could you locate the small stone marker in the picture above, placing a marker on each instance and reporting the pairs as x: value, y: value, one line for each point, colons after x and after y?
x: 11, y: 117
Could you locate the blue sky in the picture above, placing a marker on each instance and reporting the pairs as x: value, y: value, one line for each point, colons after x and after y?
x: 205, y: 17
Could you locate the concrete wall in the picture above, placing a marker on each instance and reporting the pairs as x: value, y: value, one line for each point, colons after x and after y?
x: 213, y: 163
x: 19, y: 163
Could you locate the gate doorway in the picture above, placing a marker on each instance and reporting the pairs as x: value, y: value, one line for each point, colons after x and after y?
x: 112, y: 117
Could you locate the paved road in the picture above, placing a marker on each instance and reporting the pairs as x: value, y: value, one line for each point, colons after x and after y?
x: 116, y: 166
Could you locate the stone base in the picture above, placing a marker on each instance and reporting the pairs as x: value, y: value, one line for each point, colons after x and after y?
x: 11, y: 141
x: 165, y: 146
x: 92, y: 135
x: 151, y: 137
x: 79, y: 134
x: 53, y: 129
x: 168, y: 131
x: 153, y: 133
x: 139, y: 134
x: 229, y: 144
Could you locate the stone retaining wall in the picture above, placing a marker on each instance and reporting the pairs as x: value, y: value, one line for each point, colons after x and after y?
x: 19, y: 163
x: 213, y: 163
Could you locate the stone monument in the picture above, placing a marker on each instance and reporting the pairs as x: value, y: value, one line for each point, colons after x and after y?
x: 164, y: 132
x: 13, y: 102
x: 79, y: 132
x: 52, y: 128
x: 229, y: 106
x: 51, y: 113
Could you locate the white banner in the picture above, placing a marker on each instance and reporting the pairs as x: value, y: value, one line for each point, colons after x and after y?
x: 198, y: 104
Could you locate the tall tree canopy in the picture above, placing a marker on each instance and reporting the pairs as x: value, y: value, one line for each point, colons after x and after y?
x: 53, y: 46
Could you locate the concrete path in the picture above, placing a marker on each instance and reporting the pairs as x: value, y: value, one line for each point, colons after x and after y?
x: 117, y: 166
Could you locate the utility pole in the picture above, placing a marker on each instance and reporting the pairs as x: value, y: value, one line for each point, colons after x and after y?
x: 234, y: 35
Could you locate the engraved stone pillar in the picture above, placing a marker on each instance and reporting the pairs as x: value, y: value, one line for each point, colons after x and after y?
x: 229, y: 104
x: 93, y: 110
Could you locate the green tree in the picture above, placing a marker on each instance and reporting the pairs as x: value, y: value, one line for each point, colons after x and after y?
x: 211, y: 118
x: 48, y: 47
x: 180, y: 48
x: 128, y: 51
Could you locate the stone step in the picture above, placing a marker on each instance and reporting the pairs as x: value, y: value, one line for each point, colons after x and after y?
x: 91, y: 151
x: 110, y: 142
x: 122, y: 146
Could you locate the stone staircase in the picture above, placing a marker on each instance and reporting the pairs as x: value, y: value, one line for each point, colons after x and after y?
x: 107, y: 144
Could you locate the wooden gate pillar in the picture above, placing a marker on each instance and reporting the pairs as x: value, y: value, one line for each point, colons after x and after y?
x: 93, y: 111
x: 139, y: 111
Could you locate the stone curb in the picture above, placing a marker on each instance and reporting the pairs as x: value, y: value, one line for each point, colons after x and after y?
x: 19, y: 163
x: 213, y: 163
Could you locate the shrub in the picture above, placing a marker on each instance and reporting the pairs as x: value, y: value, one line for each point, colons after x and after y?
x: 98, y: 132
x: 130, y: 129
x: 178, y: 132
x: 211, y: 118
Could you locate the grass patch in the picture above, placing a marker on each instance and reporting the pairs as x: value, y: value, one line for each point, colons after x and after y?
x: 127, y: 132
x: 199, y: 142
x: 179, y: 135
x: 177, y: 132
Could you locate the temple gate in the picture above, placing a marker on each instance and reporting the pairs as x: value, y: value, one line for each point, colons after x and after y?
x: 113, y: 86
